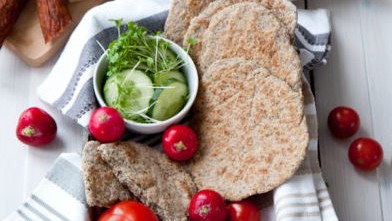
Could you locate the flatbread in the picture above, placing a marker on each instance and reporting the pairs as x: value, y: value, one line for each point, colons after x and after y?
x: 182, y: 12
x: 158, y: 182
x: 193, y: 8
x: 284, y: 11
x: 101, y: 186
x: 251, y: 128
x: 251, y: 31
x: 174, y: 26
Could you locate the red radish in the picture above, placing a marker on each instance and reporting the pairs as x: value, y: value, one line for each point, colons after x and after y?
x: 36, y: 127
x: 207, y: 205
x: 179, y: 142
x: 106, y: 124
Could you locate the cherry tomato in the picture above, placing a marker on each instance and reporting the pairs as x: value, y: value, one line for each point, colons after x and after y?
x: 106, y: 124
x: 179, y: 142
x: 243, y: 211
x: 343, y: 122
x: 36, y: 127
x: 365, y: 153
x: 207, y: 205
x: 128, y: 211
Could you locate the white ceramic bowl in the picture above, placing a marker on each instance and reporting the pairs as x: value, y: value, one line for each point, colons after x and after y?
x: 188, y: 69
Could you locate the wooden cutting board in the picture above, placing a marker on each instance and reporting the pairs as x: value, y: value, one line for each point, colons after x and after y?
x: 26, y: 38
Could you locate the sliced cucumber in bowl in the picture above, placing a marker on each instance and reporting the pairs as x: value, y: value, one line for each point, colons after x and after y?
x: 169, y: 100
x: 163, y: 77
x: 129, y: 92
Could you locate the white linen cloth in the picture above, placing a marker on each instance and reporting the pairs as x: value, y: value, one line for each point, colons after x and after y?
x: 60, y: 195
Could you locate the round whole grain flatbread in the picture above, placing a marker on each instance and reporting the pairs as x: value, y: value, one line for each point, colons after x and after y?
x: 174, y: 27
x: 183, y: 11
x: 251, y: 128
x: 284, y: 10
x: 251, y: 31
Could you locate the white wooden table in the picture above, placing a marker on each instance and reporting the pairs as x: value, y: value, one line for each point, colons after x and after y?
x: 359, y: 74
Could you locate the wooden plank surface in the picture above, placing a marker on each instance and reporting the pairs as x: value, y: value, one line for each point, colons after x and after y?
x: 358, y: 75
x: 376, y: 20
x: 13, y: 100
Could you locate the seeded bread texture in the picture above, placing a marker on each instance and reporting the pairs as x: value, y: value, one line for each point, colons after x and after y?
x: 101, y: 185
x: 158, y: 182
x: 249, y: 30
x: 251, y: 128
x: 174, y: 26
x: 284, y: 10
x: 183, y: 11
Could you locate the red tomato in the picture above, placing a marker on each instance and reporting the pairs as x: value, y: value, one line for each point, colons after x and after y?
x: 179, y: 142
x: 343, y: 122
x: 365, y: 153
x: 36, y: 127
x: 243, y: 211
x: 128, y: 211
x: 106, y: 124
x: 207, y: 205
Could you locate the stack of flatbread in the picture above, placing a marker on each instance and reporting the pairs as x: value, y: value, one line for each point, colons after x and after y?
x: 131, y: 171
x: 249, y: 110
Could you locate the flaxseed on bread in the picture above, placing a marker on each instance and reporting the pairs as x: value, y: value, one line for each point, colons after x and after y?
x: 251, y: 128
x: 251, y: 31
x: 150, y: 175
x: 101, y: 185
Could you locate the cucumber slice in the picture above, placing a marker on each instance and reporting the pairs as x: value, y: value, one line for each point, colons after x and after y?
x: 129, y: 92
x: 161, y: 78
x: 170, y: 100
x: 170, y: 54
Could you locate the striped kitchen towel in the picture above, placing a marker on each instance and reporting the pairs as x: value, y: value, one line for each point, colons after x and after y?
x: 313, y: 37
x: 59, y: 196
x: 305, y: 195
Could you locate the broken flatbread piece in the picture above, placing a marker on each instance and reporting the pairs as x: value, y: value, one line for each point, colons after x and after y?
x: 101, y: 185
x: 151, y: 176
